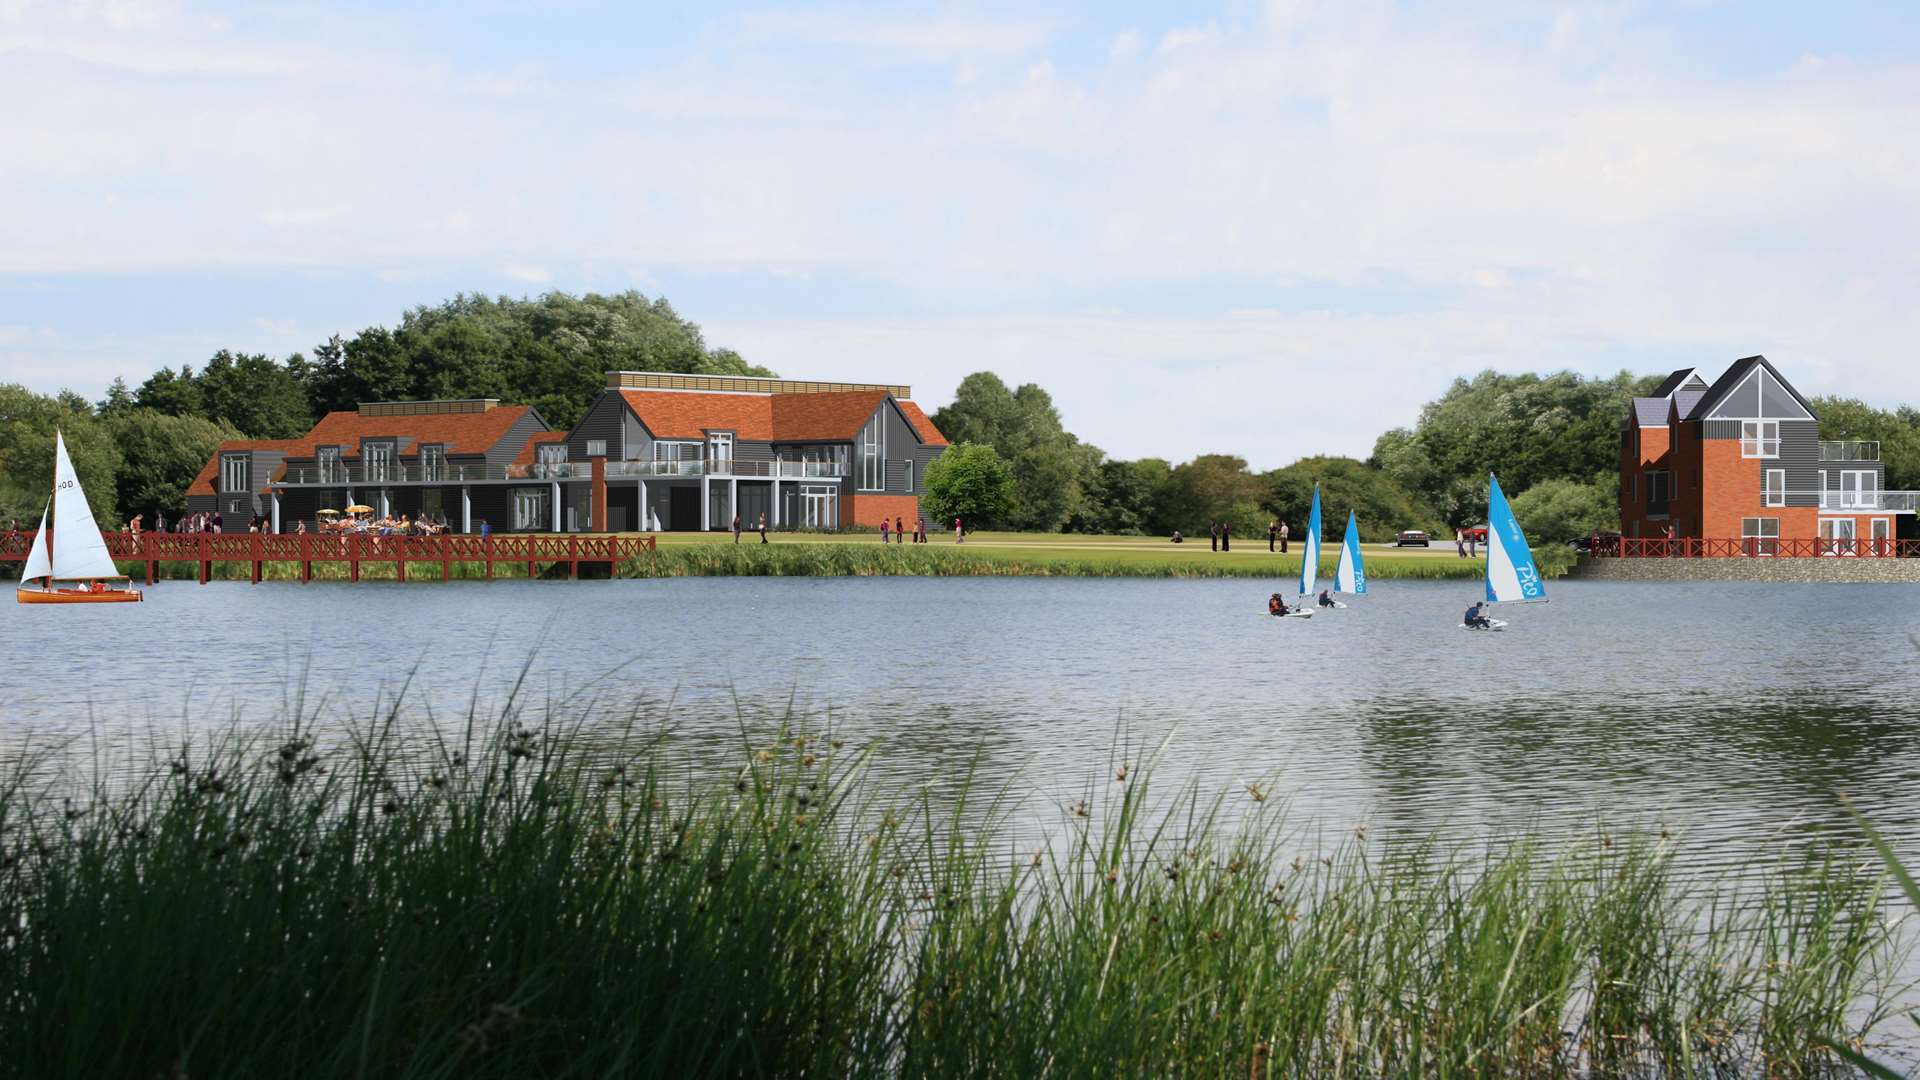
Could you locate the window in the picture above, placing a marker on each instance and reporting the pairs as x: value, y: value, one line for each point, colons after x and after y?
x: 433, y: 462
x: 531, y: 509
x: 552, y: 453
x: 819, y: 506
x: 378, y: 459
x: 432, y: 504
x: 909, y: 474
x: 1773, y: 488
x: 1760, y: 536
x: 596, y: 448
x: 1760, y: 438
x: 1859, y: 489
x: 1659, y: 491
x: 720, y: 450
x: 873, y: 451
x: 233, y: 472
x: 328, y: 460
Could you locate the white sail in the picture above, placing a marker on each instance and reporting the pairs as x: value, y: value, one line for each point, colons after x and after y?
x: 1310, y: 549
x: 38, y: 564
x: 79, y: 551
x: 1351, y: 575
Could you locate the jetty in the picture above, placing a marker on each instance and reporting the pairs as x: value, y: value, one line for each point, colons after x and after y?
x: 532, y: 550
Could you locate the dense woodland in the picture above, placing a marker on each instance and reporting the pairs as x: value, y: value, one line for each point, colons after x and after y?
x: 1553, y: 438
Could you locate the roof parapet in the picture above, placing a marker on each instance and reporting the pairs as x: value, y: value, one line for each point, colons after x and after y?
x: 742, y: 384
x: 427, y: 408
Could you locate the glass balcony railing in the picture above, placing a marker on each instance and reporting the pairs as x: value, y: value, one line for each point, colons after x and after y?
x: 355, y: 474
x: 1886, y: 502
x: 1850, y: 450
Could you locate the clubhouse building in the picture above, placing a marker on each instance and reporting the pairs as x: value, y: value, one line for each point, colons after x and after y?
x: 1741, y: 457
x: 653, y: 452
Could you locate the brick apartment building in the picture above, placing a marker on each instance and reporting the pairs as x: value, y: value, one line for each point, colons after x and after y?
x: 654, y: 451
x: 1742, y: 458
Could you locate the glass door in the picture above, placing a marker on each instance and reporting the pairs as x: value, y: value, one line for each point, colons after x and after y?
x: 1836, y: 536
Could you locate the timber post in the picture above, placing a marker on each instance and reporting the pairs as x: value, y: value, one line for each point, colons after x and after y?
x: 146, y: 548
x: 206, y: 557
x: 353, y: 557
x: 573, y: 558
x: 306, y: 558
x: 254, y: 544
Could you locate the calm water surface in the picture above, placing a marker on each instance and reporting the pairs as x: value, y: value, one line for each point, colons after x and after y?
x: 1726, y: 713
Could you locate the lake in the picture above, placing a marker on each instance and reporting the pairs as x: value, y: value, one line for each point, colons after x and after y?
x: 1728, y: 714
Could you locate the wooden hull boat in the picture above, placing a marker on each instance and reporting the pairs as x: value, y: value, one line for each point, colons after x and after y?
x: 78, y: 596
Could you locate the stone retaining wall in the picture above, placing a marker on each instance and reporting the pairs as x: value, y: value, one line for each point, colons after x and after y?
x: 1881, y: 570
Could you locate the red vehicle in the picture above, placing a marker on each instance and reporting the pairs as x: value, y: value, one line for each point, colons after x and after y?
x: 1476, y: 533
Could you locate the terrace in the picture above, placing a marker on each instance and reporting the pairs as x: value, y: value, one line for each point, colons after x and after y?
x: 355, y: 473
x: 1850, y: 450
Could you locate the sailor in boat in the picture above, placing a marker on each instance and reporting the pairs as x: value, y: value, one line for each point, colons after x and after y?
x: 1275, y: 605
x: 1326, y: 598
x: 1476, y: 618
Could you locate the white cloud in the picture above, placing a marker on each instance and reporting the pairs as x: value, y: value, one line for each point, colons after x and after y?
x: 537, y: 275
x: 902, y: 38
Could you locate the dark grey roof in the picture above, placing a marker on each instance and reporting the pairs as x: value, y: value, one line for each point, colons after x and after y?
x: 1676, y: 380
x: 1732, y: 377
x: 1685, y: 400
x: 1650, y: 411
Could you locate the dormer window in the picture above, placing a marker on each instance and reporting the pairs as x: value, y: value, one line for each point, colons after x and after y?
x: 377, y: 459
x: 552, y: 453
x: 433, y: 462
x: 233, y: 472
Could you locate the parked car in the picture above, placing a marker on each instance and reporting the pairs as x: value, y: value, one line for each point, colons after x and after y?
x: 1477, y: 534
x: 1412, y: 538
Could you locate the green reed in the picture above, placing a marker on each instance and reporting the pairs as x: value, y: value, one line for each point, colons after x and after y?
x: 876, y: 560
x: 573, y: 898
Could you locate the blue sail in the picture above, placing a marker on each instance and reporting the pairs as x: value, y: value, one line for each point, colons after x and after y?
x: 1310, y: 548
x: 1511, y: 575
x: 1351, y: 575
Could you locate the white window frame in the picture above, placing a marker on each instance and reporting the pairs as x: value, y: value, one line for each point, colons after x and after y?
x: 1761, y: 535
x: 377, y: 460
x: 234, y: 466
x: 326, y: 461
x: 873, y: 454
x: 1755, y: 442
x: 1773, y: 487
x: 720, y: 449
x: 553, y: 453
x: 433, y: 462
x: 540, y: 500
x: 596, y: 448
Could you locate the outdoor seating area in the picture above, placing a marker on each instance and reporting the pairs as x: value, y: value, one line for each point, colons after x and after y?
x: 359, y: 520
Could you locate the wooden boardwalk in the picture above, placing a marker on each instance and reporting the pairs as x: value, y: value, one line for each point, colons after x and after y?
x: 533, y: 550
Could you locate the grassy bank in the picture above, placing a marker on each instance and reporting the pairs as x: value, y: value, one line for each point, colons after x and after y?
x: 537, y: 903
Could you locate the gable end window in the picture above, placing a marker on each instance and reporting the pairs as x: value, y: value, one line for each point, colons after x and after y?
x: 1759, y: 438
x: 873, y: 455
x: 1773, y: 487
x: 596, y: 448
x: 233, y: 472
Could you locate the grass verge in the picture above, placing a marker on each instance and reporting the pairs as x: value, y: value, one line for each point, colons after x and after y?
x: 555, y: 900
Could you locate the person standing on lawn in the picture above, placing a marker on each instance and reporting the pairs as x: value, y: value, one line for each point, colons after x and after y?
x: 763, y: 528
x: 1283, y: 537
x: 959, y: 533
x: 1213, y: 531
x: 1226, y: 536
x: 883, y: 530
x: 736, y: 526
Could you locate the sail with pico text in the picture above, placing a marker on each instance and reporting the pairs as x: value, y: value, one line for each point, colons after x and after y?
x: 1310, y: 549
x: 1512, y: 578
x: 1351, y: 575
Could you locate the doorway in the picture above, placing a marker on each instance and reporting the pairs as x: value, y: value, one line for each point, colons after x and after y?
x: 683, y: 508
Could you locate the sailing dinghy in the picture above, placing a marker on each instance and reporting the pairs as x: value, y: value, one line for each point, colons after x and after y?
x: 1350, y: 575
x: 1310, y: 548
x: 69, y: 560
x: 1512, y: 577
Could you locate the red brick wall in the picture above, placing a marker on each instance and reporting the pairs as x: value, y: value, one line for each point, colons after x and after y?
x: 1652, y: 453
x: 867, y: 510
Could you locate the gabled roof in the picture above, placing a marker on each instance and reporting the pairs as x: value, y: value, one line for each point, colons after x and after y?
x: 1650, y: 411
x: 1685, y: 399
x: 461, y: 433
x: 203, y: 480
x: 1685, y: 377
x: 1736, y: 374
x: 835, y: 416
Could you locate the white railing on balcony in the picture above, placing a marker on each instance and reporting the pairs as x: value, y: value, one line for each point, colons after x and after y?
x: 352, y: 475
x: 785, y: 470
x: 1886, y: 502
x: 1850, y: 450
x: 394, y: 473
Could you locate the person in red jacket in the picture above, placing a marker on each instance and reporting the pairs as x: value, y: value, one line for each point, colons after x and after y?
x: 959, y: 534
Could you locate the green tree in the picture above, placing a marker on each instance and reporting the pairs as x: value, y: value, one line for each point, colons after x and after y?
x: 118, y: 400
x: 256, y: 396
x: 27, y: 424
x: 1898, y: 433
x: 1556, y: 511
x: 969, y: 482
x: 171, y: 392
x: 161, y: 456
x: 1123, y: 498
x: 1382, y: 506
x: 1215, y: 488
x: 1051, y: 468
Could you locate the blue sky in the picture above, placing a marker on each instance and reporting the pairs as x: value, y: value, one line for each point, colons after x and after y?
x: 1265, y: 228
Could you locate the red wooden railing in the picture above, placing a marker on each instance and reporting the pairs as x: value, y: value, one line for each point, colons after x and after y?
x: 1803, y: 547
x: 256, y: 549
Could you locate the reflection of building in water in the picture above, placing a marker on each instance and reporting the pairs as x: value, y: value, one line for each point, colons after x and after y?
x: 654, y: 451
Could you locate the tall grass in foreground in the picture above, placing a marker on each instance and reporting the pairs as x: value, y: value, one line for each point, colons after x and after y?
x: 541, y: 901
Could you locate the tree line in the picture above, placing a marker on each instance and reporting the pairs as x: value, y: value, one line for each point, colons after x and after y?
x: 1554, y: 439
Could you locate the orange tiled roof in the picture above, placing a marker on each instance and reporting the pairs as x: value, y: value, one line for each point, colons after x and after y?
x: 525, y: 456
x: 928, y: 433
x: 834, y: 416
x: 203, y: 480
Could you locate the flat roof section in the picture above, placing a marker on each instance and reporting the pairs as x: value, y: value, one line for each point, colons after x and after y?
x: 742, y: 384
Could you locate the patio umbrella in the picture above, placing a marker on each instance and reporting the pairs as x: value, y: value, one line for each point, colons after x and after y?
x: 359, y: 508
x: 327, y: 513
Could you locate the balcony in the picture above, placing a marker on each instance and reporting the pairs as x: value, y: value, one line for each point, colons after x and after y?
x: 784, y: 470
x: 1850, y: 450
x: 1863, y: 502
x: 359, y: 475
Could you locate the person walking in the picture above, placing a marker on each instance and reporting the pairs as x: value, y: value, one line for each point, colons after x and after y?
x: 1460, y: 542
x: 763, y: 528
x: 486, y: 530
x: 1273, y: 535
x: 959, y: 533
x: 219, y: 524
x: 1473, y: 544
x: 899, y: 529
x: 1213, y: 531
x: 736, y: 526
x: 159, y: 521
x: 884, y: 524
x: 1283, y: 537
x: 1226, y: 536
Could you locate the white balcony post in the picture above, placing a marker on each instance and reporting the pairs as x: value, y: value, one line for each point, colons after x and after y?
x: 733, y: 500
x: 275, y: 496
x: 706, y: 505
x: 383, y: 502
x: 466, y: 509
x: 776, y: 496
x: 556, y: 506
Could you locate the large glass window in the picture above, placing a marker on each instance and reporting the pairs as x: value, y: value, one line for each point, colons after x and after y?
x: 873, y: 455
x: 378, y: 459
x: 819, y: 506
x: 532, y: 509
x: 328, y: 460
x: 1760, y: 438
x: 720, y: 450
x: 433, y: 463
x: 233, y: 472
x: 1760, y: 536
x: 1659, y: 491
